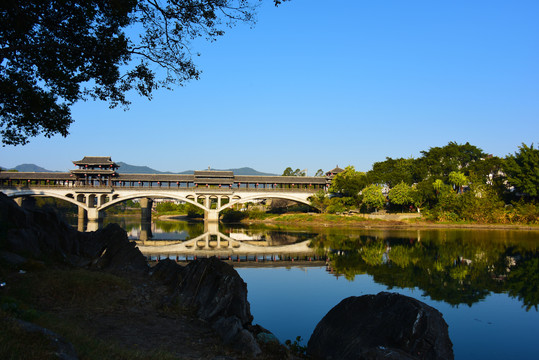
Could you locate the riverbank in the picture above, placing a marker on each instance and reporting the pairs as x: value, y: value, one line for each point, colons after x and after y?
x: 355, y: 221
x: 103, y: 316
x: 68, y: 294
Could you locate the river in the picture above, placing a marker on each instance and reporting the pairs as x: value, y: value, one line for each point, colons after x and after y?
x: 484, y: 282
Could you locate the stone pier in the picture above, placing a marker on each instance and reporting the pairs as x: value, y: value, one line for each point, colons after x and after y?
x: 146, y: 209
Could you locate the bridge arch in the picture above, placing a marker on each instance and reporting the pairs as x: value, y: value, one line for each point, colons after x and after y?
x: 264, y: 196
x: 44, y: 193
x: 150, y: 195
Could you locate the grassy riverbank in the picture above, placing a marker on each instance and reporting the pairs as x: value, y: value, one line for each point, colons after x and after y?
x: 358, y: 221
x: 104, y: 316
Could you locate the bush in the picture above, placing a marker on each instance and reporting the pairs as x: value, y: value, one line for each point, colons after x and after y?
x: 233, y: 216
x: 527, y: 213
x: 337, y: 205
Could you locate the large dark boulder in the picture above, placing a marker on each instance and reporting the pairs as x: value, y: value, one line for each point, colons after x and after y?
x: 115, y: 252
x: 382, y: 326
x: 219, y: 295
x: 43, y: 234
x: 216, y: 289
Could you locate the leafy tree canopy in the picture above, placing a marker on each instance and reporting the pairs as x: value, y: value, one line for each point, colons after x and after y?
x: 55, y: 53
x: 289, y: 172
x: 401, y: 194
x: 349, y: 182
x: 458, y: 179
x: 522, y: 170
x: 373, y: 197
x: 392, y: 171
x: 440, y: 161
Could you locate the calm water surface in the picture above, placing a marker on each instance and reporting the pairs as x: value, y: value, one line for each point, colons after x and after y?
x: 484, y: 282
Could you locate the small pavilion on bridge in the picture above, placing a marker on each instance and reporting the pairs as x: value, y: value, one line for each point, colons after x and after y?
x: 98, y: 170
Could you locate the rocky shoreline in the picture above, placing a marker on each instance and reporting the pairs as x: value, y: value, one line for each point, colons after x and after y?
x: 197, y: 311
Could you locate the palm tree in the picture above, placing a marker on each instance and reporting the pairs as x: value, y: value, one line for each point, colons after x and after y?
x: 458, y: 179
x: 437, y: 185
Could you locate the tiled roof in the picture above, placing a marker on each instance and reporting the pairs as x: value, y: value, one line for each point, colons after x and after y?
x: 96, y: 160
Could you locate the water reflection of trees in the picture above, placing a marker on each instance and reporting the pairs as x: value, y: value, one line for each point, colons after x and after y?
x: 523, y: 280
x: 454, y: 268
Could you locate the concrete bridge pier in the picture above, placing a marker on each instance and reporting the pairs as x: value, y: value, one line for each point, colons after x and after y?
x: 211, y: 215
x: 146, y: 210
x: 95, y: 219
x: 145, y: 231
x: 81, y: 218
x: 211, y: 228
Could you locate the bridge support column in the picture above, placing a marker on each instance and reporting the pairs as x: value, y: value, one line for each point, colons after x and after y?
x: 211, y: 215
x: 94, y: 214
x: 211, y: 227
x: 81, y: 218
x: 18, y: 200
x: 146, y: 209
x: 94, y: 219
x: 145, y: 231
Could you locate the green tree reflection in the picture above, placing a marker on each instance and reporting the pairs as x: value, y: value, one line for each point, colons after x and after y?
x: 455, y: 267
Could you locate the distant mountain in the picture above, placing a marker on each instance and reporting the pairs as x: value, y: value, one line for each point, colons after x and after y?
x: 238, y: 171
x: 250, y: 171
x: 135, y: 169
x: 29, y: 168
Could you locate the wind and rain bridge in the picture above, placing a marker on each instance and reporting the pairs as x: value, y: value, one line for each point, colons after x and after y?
x: 95, y: 184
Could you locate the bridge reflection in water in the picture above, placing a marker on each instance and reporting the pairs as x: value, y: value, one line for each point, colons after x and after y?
x: 214, y: 243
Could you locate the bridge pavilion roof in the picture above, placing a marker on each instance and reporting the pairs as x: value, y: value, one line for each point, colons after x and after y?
x: 96, y: 161
x: 335, y: 171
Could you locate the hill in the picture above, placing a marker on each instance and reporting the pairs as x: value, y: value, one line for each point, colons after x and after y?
x: 136, y: 169
x: 142, y: 169
x: 28, y: 168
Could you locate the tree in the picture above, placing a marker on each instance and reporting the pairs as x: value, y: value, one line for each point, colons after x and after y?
x: 319, y: 200
x: 348, y: 183
x: 440, y: 161
x: 401, y: 194
x: 458, y: 179
x: 55, y: 53
x: 392, y: 171
x: 319, y: 173
x: 373, y: 197
x: 289, y: 172
x: 522, y: 171
x: 437, y: 185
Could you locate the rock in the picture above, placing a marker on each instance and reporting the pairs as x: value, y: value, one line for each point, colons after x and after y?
x: 11, y: 258
x: 116, y: 252
x: 267, y: 337
x: 168, y: 272
x: 219, y: 295
x: 382, y: 326
x: 245, y: 342
x: 43, y: 234
x: 216, y: 290
x: 63, y: 349
x: 227, y: 328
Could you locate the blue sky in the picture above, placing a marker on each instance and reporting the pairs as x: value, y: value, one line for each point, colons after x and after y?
x: 315, y: 84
